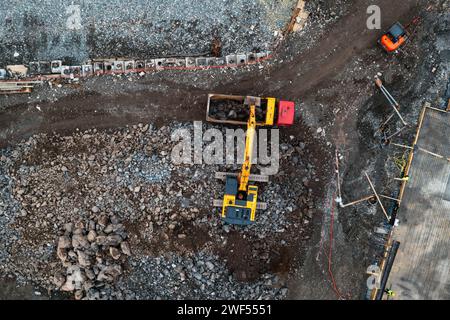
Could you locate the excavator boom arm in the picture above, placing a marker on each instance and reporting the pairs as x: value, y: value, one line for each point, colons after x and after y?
x: 240, y: 200
x: 249, y: 139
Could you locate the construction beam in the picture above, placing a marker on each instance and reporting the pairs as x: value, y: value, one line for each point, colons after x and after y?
x: 411, y: 154
x: 397, y: 132
x: 394, y: 104
x: 391, y: 198
x: 376, y: 195
x: 401, y: 145
x: 433, y: 154
x: 368, y: 198
x: 253, y: 177
x: 356, y: 201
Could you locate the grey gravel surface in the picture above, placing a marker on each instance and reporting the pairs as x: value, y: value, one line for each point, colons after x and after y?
x: 69, y: 205
x: 78, y: 30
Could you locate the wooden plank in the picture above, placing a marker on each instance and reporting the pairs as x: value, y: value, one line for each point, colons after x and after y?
x: 435, y: 109
x: 357, y: 201
x: 376, y: 195
x: 390, y: 198
x: 411, y: 154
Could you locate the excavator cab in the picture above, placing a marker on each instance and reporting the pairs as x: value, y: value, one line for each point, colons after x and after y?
x: 394, y: 38
x: 240, y: 203
x: 239, y: 207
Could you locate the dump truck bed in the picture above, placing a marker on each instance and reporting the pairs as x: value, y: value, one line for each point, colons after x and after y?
x: 232, y: 109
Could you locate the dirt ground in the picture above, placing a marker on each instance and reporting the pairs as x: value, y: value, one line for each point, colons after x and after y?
x: 329, y: 73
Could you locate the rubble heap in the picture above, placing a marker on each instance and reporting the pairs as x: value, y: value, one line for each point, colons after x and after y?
x: 92, y: 254
x: 74, y: 207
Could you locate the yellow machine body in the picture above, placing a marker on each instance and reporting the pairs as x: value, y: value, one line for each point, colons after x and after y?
x: 240, y: 200
x: 237, y: 211
x: 270, y: 115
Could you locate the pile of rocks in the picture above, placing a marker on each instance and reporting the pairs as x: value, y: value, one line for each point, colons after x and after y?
x: 92, y: 254
x: 198, y: 276
x: 96, y: 179
x: 123, y: 30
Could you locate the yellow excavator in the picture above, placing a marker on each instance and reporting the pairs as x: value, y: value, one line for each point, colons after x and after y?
x: 239, y: 203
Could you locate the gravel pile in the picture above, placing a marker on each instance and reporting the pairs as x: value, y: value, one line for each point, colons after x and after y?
x: 200, y: 276
x: 43, y: 30
x: 73, y: 208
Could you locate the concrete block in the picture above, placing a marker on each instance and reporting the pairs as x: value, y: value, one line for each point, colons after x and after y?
x: 201, y: 62
x: 241, y: 59
x: 108, y: 66
x: 150, y: 64
x: 251, y: 57
x: 190, y: 62
x: 3, y: 74
x: 221, y: 61
x: 45, y: 67
x: 174, y: 62
x: 56, y: 66
x: 98, y: 67
x: 76, y: 71
x: 65, y: 71
x: 139, y: 64
x: 159, y: 63
x: 129, y: 65
x: 71, y: 71
x: 211, y: 61
x: 260, y: 55
x: 181, y: 62
x: 18, y: 69
x: 118, y: 66
x: 34, y: 67
x: 86, y: 70
x: 231, y: 59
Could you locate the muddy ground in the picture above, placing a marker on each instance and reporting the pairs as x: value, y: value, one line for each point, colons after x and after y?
x: 328, y: 70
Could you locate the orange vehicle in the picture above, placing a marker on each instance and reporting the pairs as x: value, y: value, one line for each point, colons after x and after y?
x: 394, y: 38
